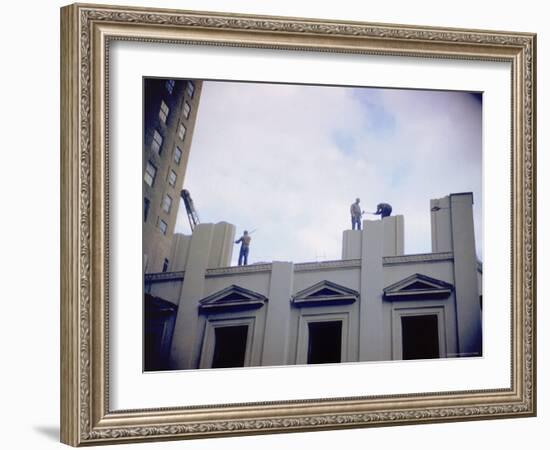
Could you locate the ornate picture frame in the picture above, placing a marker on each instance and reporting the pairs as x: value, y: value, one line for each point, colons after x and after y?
x: 87, y: 31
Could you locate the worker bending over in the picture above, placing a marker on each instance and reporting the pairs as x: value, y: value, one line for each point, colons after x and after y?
x: 384, y: 209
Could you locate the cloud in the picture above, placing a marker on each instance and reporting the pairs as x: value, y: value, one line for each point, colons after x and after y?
x: 288, y: 161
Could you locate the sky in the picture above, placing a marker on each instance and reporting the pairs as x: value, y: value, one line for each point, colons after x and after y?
x: 288, y: 160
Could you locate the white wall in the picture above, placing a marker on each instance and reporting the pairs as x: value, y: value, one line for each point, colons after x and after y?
x: 30, y: 225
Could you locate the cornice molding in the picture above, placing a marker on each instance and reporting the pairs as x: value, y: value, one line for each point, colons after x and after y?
x: 238, y: 270
x: 164, y: 276
x: 327, y: 265
x: 418, y: 258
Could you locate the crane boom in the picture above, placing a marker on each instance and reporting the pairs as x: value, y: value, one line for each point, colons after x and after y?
x: 190, y: 208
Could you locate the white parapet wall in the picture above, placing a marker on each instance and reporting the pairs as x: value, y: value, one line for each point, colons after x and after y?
x: 440, y: 215
x: 351, y: 244
x: 393, y: 231
x: 394, y: 235
x: 453, y: 231
x: 220, y: 249
x: 180, y: 252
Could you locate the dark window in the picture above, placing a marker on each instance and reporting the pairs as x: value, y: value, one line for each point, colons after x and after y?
x: 230, y: 347
x: 146, y: 203
x: 158, y: 324
x: 420, y: 337
x: 154, y: 329
x: 165, y: 265
x: 325, y: 342
x: 170, y: 85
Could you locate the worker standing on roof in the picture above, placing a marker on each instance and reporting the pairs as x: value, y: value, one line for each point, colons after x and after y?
x: 384, y: 209
x: 244, y: 240
x: 356, y: 214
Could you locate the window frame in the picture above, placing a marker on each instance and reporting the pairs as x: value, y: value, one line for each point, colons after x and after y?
x: 181, y: 136
x: 170, y: 86
x: 154, y: 176
x: 397, y: 336
x: 156, y: 146
x: 161, y: 221
x: 303, y: 334
x: 209, y: 340
x: 186, y: 109
x: 311, y: 324
x: 188, y: 91
x: 170, y: 172
x: 166, y: 195
x: 178, y: 159
x: 164, y: 111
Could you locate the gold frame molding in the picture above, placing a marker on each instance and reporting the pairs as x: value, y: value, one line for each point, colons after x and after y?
x: 86, y: 31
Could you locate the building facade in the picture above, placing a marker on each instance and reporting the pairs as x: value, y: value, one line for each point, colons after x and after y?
x: 374, y: 304
x: 170, y: 112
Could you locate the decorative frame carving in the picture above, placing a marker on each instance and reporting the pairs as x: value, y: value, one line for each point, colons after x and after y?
x: 86, y: 32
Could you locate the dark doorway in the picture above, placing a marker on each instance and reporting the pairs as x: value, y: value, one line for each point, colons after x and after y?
x: 230, y: 347
x: 154, y: 329
x: 325, y: 342
x: 159, y: 317
x: 420, y: 337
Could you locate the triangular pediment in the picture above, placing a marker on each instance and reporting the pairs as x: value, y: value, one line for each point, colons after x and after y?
x: 417, y: 287
x: 325, y: 293
x: 232, y: 297
x: 156, y: 306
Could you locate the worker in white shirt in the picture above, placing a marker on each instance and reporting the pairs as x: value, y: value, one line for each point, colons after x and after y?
x: 244, y: 240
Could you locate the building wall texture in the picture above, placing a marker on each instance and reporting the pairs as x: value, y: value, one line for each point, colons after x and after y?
x: 371, y: 293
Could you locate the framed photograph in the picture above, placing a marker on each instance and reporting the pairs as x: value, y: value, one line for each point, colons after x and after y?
x: 275, y: 224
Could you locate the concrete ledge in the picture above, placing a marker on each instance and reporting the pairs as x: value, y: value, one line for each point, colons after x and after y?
x: 420, y: 257
x: 238, y: 270
x: 337, y: 264
x: 164, y: 276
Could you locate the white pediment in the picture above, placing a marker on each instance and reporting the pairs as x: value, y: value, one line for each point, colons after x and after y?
x: 232, y: 297
x: 417, y: 287
x: 325, y: 293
